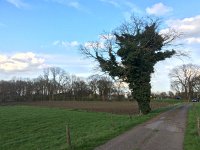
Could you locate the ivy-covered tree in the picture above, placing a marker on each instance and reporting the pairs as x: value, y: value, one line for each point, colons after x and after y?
x: 130, y: 54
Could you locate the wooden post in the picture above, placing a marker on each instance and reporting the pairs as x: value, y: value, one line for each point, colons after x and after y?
x: 130, y: 116
x: 68, y: 137
x: 112, y: 122
x: 198, y: 125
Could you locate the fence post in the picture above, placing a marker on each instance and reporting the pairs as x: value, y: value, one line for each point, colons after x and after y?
x: 198, y: 125
x: 111, y: 119
x: 68, y: 136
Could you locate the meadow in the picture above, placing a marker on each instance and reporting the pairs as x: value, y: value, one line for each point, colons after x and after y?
x: 43, y: 128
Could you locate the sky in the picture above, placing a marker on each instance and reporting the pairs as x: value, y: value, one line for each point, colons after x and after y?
x: 35, y: 34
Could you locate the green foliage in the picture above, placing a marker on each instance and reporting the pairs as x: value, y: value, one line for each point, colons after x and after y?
x: 35, y: 128
x: 192, y: 139
x: 139, y: 51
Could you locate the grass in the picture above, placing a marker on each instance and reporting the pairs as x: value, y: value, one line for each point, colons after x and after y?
x: 169, y: 100
x: 37, y: 128
x: 192, y: 138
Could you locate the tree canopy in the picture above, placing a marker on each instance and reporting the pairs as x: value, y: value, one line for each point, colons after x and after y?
x: 130, y: 53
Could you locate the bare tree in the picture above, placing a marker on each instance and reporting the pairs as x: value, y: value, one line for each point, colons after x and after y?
x: 183, y: 79
x: 170, y: 94
x: 93, y: 84
x: 79, y: 88
x: 105, y: 86
x: 120, y: 90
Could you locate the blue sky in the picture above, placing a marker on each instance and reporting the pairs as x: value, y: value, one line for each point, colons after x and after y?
x: 35, y: 34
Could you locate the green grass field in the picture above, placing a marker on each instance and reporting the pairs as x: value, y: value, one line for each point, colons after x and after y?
x: 169, y: 100
x: 37, y: 128
x: 192, y: 139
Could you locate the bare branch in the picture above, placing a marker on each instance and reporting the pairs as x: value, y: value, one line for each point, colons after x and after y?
x: 182, y: 54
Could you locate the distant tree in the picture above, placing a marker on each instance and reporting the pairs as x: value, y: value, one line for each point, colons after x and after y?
x: 130, y: 54
x: 119, y: 90
x: 55, y: 80
x: 105, y: 86
x: 171, y: 94
x: 196, y: 81
x: 5, y: 91
x: 163, y: 95
x: 80, y: 89
x: 184, y: 79
x: 93, y: 84
x: 46, y: 82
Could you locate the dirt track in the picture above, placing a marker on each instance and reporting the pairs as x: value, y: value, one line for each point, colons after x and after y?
x: 165, y: 132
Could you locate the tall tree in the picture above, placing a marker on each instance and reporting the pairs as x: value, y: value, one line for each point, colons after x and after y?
x: 130, y: 54
x: 184, y: 79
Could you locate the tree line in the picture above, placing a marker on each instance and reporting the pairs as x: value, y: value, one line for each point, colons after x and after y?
x: 56, y: 84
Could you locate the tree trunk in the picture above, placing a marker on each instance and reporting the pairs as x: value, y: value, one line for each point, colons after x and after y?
x: 144, y: 106
x: 141, y: 94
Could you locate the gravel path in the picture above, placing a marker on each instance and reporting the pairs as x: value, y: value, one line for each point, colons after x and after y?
x: 164, y: 132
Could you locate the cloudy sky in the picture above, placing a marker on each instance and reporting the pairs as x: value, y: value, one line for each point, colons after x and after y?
x: 35, y: 34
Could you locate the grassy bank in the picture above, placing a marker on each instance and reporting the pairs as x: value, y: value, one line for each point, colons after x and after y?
x: 28, y: 127
x: 192, y: 137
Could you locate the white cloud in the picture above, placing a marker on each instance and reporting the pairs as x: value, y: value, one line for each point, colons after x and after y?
x: 123, y: 4
x: 126, y: 6
x: 20, y: 62
x: 193, y: 40
x: 133, y: 7
x: 18, y: 3
x: 66, y: 44
x: 112, y: 2
x: 71, y: 3
x: 158, y: 9
x: 75, y: 5
x: 189, y: 27
x: 102, y: 42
